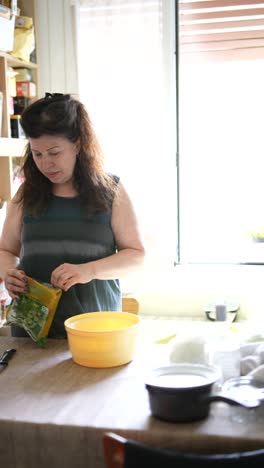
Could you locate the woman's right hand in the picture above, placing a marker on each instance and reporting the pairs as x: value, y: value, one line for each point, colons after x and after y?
x: 15, y: 282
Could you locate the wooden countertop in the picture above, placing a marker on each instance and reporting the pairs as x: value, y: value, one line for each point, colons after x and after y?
x: 53, y: 412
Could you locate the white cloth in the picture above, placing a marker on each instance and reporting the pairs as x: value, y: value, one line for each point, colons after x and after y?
x: 188, y: 348
x: 252, y: 360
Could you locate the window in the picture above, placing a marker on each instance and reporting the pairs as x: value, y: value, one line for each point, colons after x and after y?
x: 127, y: 81
x: 221, y: 101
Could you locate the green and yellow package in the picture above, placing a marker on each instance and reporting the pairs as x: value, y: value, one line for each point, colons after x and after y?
x: 34, y: 310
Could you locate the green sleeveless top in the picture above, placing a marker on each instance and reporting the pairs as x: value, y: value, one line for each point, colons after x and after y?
x: 65, y: 234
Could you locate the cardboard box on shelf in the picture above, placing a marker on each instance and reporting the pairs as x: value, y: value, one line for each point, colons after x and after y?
x: 23, y: 74
x: 26, y: 88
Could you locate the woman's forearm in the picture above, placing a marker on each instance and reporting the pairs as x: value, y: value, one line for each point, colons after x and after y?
x: 117, y: 265
x: 113, y: 267
x: 7, y: 261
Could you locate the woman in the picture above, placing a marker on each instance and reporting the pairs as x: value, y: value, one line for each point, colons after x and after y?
x: 70, y: 224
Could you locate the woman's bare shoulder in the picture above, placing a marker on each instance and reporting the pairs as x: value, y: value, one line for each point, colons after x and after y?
x: 14, y: 207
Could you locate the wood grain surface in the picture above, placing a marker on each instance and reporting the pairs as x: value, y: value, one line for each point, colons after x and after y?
x: 54, y: 412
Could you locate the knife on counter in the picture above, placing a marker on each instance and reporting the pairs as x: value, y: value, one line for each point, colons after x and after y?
x: 5, y: 358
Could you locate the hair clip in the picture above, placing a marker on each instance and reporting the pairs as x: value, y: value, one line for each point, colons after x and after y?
x: 57, y: 97
x: 53, y: 95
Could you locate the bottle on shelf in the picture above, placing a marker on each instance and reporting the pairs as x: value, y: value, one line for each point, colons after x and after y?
x: 16, y: 129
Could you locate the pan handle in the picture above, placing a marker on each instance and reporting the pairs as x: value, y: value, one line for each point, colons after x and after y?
x: 250, y: 403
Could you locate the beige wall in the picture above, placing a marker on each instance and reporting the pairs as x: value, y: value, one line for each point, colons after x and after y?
x: 185, y: 290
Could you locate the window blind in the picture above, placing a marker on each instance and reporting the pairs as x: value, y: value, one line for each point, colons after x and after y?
x: 221, y: 26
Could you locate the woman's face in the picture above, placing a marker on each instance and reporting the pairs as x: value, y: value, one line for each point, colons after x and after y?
x: 55, y: 157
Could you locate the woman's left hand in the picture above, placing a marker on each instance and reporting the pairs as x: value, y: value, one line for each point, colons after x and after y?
x: 67, y: 274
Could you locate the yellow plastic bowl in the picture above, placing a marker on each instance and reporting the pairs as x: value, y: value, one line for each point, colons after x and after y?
x: 102, y: 339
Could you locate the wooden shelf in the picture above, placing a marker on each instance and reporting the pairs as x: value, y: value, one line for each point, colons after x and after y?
x: 15, y: 62
x: 11, y: 148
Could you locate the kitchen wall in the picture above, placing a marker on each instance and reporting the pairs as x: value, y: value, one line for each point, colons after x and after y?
x: 182, y: 291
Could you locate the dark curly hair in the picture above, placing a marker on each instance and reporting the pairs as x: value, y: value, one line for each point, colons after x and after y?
x: 63, y: 115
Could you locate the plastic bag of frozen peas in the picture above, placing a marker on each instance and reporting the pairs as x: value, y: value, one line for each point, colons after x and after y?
x: 34, y: 310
